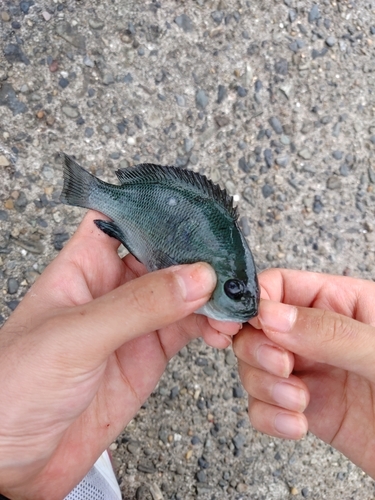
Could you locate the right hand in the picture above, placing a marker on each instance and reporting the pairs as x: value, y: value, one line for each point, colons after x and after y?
x: 308, y: 361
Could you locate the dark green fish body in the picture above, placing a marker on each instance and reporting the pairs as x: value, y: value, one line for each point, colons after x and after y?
x: 166, y: 216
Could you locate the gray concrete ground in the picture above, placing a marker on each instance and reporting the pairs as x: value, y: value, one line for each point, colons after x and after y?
x: 272, y: 99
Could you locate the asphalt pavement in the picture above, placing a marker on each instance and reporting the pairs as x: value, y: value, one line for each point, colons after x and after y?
x: 274, y: 100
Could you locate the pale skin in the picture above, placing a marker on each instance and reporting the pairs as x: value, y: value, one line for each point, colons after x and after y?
x: 83, y: 351
x: 308, y: 361
x: 89, y: 342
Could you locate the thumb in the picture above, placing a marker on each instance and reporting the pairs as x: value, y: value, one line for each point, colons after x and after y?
x: 320, y: 336
x: 140, y: 306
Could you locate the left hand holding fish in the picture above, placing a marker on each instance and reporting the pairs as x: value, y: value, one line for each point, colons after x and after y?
x: 308, y: 361
x: 83, y: 351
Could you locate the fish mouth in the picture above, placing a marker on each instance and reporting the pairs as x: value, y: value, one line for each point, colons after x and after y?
x: 213, y: 312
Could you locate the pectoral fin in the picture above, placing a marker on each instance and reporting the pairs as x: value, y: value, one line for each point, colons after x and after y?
x: 160, y: 260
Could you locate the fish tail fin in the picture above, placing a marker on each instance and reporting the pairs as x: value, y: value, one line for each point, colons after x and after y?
x: 78, y: 184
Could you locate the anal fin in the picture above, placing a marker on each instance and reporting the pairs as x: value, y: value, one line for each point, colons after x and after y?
x: 110, y: 228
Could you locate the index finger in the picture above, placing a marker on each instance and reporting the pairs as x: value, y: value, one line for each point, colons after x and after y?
x: 87, y: 267
x: 348, y: 296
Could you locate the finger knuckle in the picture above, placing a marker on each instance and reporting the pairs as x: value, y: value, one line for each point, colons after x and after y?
x: 334, y: 327
x: 252, y: 380
x: 141, y: 297
x: 155, y: 294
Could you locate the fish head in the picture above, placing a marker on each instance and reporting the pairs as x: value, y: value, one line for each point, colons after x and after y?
x: 236, y: 296
x: 235, y: 299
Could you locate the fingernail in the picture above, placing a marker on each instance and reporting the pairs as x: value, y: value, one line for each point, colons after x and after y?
x: 291, y: 426
x: 196, y: 280
x: 289, y: 396
x: 255, y: 322
x: 228, y: 338
x: 276, y: 316
x: 274, y: 360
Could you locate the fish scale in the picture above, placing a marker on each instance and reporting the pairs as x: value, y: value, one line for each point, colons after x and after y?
x: 166, y: 216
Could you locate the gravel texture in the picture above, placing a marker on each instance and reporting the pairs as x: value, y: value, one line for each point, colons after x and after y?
x: 272, y: 99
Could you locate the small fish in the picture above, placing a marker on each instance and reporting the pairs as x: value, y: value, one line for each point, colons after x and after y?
x: 166, y: 216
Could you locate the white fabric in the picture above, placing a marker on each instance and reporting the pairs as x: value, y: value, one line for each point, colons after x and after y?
x: 99, y: 484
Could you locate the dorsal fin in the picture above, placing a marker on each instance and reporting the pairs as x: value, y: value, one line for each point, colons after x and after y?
x: 150, y: 173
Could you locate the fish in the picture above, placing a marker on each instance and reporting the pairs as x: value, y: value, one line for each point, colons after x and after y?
x: 166, y: 216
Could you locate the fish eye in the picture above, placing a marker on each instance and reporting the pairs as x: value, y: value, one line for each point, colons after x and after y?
x: 234, y: 289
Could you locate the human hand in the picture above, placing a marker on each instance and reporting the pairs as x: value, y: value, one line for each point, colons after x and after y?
x: 83, y: 351
x: 308, y: 361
